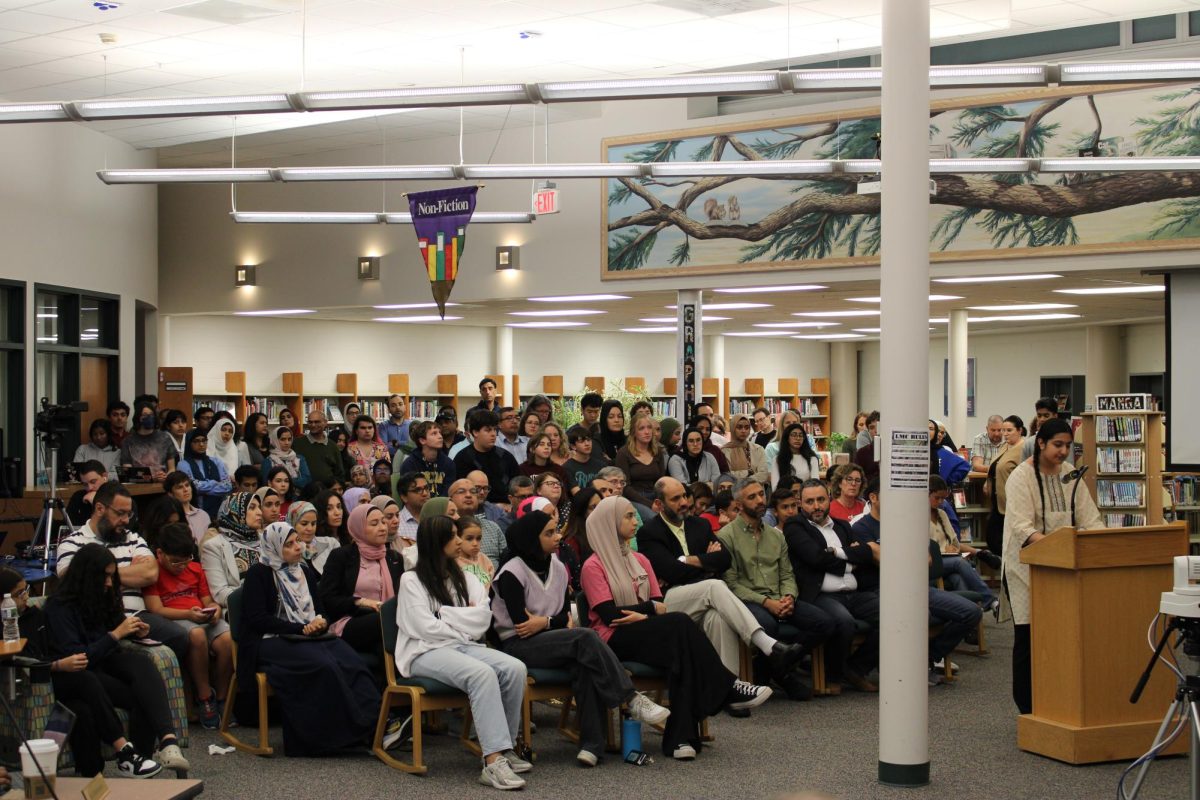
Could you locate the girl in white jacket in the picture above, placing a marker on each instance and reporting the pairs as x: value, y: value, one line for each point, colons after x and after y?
x: 442, y: 614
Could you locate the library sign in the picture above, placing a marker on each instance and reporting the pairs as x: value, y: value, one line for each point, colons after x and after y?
x: 1124, y: 402
x: 440, y: 218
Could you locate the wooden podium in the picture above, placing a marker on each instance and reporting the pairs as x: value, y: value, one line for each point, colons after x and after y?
x: 1094, y: 594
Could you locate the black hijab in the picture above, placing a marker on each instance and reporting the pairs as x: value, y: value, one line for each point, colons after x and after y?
x: 692, y: 462
x: 202, y: 466
x: 610, y: 441
x: 524, y: 540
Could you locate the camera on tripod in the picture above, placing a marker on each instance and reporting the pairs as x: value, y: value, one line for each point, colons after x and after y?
x: 55, y: 420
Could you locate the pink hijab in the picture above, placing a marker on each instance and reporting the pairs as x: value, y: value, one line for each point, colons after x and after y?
x: 371, y: 556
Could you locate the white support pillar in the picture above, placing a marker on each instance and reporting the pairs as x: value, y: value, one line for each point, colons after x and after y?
x: 504, y: 362
x: 843, y: 381
x: 957, y: 376
x: 716, y: 369
x: 904, y: 363
x: 689, y: 340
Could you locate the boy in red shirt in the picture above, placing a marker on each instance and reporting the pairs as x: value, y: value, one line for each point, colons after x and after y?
x: 182, y: 596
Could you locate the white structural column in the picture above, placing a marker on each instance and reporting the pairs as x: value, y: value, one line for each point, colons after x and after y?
x: 689, y: 351
x: 843, y: 377
x: 1105, y: 368
x: 957, y: 377
x: 504, y: 363
x: 716, y: 369
x: 904, y: 367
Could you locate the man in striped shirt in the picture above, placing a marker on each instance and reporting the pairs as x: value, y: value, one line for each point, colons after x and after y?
x: 137, y: 567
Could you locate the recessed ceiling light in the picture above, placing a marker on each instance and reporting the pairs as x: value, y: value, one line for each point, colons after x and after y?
x: 703, y: 318
x: 848, y: 313
x: 756, y: 333
x: 401, y: 306
x: 556, y: 312
x: 728, y: 306
x: 939, y: 320
x: 578, y: 298
x: 417, y: 318
x: 547, y: 324
x: 1043, y: 276
x: 1136, y: 288
x: 656, y: 329
x: 803, y: 287
x: 795, y: 324
x: 933, y: 298
x: 1024, y: 318
x: 829, y: 336
x: 1023, y: 307
x: 278, y: 312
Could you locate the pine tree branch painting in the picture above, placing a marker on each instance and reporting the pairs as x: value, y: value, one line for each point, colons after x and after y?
x: 731, y: 221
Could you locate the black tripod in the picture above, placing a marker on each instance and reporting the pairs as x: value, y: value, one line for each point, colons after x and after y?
x: 44, y: 531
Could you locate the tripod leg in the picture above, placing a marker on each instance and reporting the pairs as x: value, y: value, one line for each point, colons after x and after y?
x: 1162, y: 731
x: 1195, y: 751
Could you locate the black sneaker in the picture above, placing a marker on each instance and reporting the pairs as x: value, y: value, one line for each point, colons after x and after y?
x: 132, y: 765
x: 784, y: 658
x: 989, y: 558
x: 747, y: 695
x: 398, y: 730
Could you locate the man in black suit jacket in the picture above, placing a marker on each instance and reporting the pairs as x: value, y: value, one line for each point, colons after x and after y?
x: 824, y: 555
x: 688, y: 561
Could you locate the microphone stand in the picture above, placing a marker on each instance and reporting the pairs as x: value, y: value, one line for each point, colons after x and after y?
x: 1075, y: 490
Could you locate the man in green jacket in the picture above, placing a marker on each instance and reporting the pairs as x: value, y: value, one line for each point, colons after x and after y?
x: 324, y: 460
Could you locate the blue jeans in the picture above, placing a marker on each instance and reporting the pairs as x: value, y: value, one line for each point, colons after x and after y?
x: 957, y: 615
x: 494, y: 681
x: 958, y: 574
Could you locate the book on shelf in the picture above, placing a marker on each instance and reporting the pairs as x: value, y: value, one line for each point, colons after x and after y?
x: 420, y: 409
x: 1124, y: 520
x: 375, y: 409
x: 271, y: 406
x: 809, y: 408
x: 215, y: 405
x: 663, y: 408
x: 1182, y: 489
x: 742, y: 407
x: 813, y: 429
x: 776, y: 405
x: 1120, y: 494
x: 329, y: 407
x: 1119, y: 429
x: 960, y: 498
x: 1118, y: 460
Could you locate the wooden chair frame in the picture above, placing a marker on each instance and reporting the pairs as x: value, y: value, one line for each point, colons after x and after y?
x: 263, y: 691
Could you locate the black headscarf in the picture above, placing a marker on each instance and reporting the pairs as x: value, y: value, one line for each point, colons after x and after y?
x: 610, y: 441
x: 692, y: 462
x: 202, y: 466
x: 524, y: 540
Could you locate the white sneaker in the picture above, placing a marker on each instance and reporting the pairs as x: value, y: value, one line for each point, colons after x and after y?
x: 499, y: 775
x: 397, y: 731
x: 748, y: 695
x: 586, y: 758
x: 941, y: 664
x: 132, y: 765
x: 685, y: 752
x: 643, y: 709
x: 515, y: 762
x: 171, y: 757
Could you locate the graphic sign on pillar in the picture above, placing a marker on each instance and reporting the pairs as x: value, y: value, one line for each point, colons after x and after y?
x: 689, y: 358
x: 440, y: 218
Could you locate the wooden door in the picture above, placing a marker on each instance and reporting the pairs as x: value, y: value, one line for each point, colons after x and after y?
x: 93, y: 390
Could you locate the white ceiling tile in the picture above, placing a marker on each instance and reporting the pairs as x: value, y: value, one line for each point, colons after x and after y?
x: 35, y: 23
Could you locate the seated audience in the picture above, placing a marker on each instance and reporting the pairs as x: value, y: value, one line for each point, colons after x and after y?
x: 381, y: 479
x: 284, y: 635
x: 355, y: 496
x: 175, y: 424
x: 764, y: 428
x: 482, y: 454
x: 539, y: 459
x: 549, y: 486
x: 470, y: 556
x: 257, y: 439
x: 559, y: 451
x: 391, y: 515
x: 365, y: 447
x: 510, y: 438
x: 246, y: 479
x: 412, y: 490
x: 959, y: 574
x: 148, y: 447
x: 359, y: 578
x: 179, y: 486
x: 745, y: 457
x: 233, y: 547
x: 704, y: 424
x: 283, y: 456
x: 427, y: 460
x: 796, y: 457
x: 670, y: 435
x: 99, y: 447
x: 466, y: 499
x: 642, y: 459
x: 692, y: 464
x: 519, y: 488
x: 612, y: 428
x: 318, y: 450
x: 789, y: 486
x: 331, y: 516
x: 93, y: 475
x: 572, y: 548
x: 302, y: 516
x: 846, y: 488
x: 209, y: 478
x: 117, y: 413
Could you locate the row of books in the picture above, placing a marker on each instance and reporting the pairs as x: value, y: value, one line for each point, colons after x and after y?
x: 1119, y: 429
x: 1182, y: 489
x: 774, y: 405
x: 1124, y: 520
x: 330, y: 407
x: 809, y: 408
x: 1120, y: 494
x: 663, y: 408
x: 1113, y: 460
x: 215, y: 405
x: 420, y: 409
x: 271, y: 406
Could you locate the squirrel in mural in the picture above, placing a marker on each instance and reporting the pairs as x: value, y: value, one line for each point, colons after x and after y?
x: 713, y: 210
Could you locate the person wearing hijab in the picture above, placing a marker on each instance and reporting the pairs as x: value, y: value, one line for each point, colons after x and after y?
x: 224, y: 447
x: 360, y: 477
x: 229, y: 551
x: 355, y: 496
x: 359, y: 578
x: 271, y: 503
x: 693, y: 463
x: 612, y: 428
x: 746, y: 458
x: 434, y: 507
x: 302, y: 516
x: 533, y: 620
x: 626, y: 610
x: 282, y: 455
x: 442, y: 615
x: 669, y: 435
x: 391, y: 514
x: 209, y: 476
x: 284, y: 634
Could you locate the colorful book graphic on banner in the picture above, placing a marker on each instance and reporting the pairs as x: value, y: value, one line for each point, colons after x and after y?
x: 440, y: 218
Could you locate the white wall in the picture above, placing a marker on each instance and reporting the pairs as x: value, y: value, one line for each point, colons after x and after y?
x: 61, y: 226
x: 1146, y: 348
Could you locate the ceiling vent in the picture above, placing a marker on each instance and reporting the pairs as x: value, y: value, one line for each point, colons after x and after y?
x: 718, y: 8
x: 231, y: 12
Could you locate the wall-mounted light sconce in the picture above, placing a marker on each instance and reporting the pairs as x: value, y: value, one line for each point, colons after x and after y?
x: 508, y: 257
x: 244, y: 275
x: 368, y: 268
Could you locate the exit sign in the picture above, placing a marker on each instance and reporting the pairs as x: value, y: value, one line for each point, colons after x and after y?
x: 545, y: 201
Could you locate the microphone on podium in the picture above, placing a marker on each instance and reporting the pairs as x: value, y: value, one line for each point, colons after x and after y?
x: 1075, y: 474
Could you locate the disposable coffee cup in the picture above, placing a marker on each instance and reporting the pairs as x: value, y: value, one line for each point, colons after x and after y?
x: 45, y: 753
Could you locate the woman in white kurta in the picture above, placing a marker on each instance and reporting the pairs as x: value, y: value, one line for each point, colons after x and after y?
x: 1038, y: 503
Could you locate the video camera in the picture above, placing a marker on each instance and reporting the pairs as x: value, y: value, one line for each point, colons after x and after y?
x: 54, y: 420
x: 1183, y: 602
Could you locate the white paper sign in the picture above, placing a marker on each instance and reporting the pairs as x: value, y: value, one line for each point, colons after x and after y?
x: 909, y: 464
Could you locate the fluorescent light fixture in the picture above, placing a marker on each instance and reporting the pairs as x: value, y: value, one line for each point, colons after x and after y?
x: 674, y: 169
x: 856, y: 312
x: 1024, y: 318
x: 400, y: 306
x: 950, y: 77
x: 939, y: 320
x: 547, y: 324
x: 655, y: 329
x: 32, y: 112
x: 1120, y: 71
x: 933, y: 298
x: 556, y: 312
x: 801, y: 287
x: 728, y: 83
x: 756, y: 333
x: 275, y: 312
x: 703, y: 318
x: 1133, y: 288
x: 502, y: 94
x: 198, y: 175
x: 329, y: 217
x: 1041, y: 276
x: 869, y: 330
x: 828, y: 336
x: 956, y: 166
x: 415, y: 318
x: 617, y: 170
x: 1130, y: 164
x: 380, y: 173
x: 134, y: 107
x: 481, y: 217
x: 578, y: 298
x: 1024, y: 307
x: 46, y: 316
x: 728, y: 306
x: 824, y: 80
x: 862, y: 166
x: 793, y: 325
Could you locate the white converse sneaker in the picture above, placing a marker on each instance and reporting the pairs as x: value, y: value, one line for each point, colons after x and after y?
x: 499, y: 775
x: 748, y: 695
x: 587, y: 758
x: 685, y: 752
x: 643, y: 709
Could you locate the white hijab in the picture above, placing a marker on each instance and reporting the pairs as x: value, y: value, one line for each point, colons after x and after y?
x: 227, y: 452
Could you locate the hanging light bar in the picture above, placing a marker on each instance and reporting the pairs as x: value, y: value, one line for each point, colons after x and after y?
x: 972, y: 75
x: 201, y: 175
x: 33, y: 112
x: 481, y: 217
x: 1128, y: 71
x: 958, y: 166
x: 672, y: 169
x: 367, y: 217
x: 382, y: 173
x: 726, y: 83
x: 1131, y: 164
x: 615, y: 170
x: 502, y: 94
x: 133, y: 107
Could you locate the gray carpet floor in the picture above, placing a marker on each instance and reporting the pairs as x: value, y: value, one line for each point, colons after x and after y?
x: 828, y: 745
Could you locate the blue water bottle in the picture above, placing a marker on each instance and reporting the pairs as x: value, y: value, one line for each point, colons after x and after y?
x: 631, y: 736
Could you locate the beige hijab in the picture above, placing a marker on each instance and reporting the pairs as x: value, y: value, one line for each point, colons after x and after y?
x: 738, y: 456
x: 627, y: 578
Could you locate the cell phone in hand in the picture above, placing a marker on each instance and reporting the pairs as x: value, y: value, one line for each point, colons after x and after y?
x: 209, y: 610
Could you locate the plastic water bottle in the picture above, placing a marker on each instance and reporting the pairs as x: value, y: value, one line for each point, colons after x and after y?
x: 8, y: 613
x: 631, y: 737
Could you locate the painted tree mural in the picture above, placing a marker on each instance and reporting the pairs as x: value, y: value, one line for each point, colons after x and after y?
x: 655, y: 223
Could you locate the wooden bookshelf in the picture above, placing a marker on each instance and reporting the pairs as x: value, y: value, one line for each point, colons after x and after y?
x: 175, y: 389
x: 552, y: 386
x: 636, y: 385
x: 813, y: 404
x: 595, y: 383
x: 1143, y: 447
